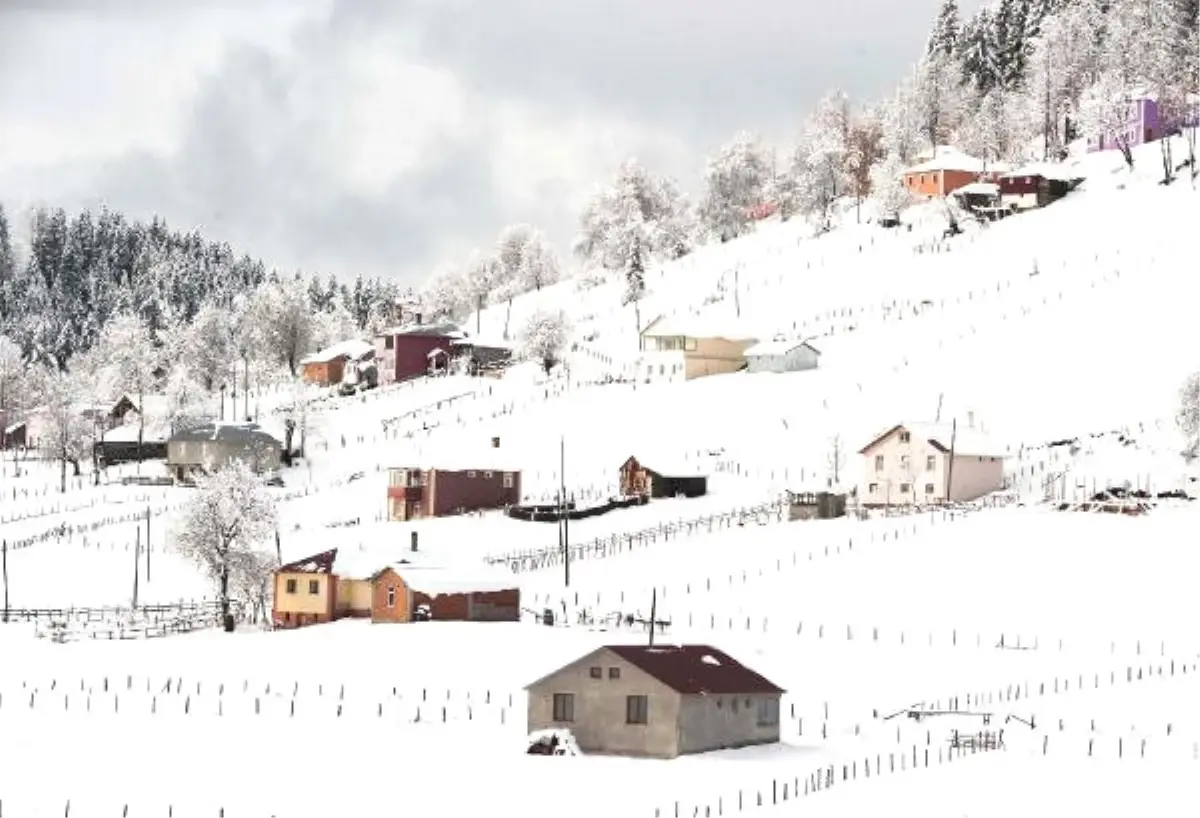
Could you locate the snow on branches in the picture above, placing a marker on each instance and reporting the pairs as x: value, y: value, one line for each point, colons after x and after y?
x: 225, y: 528
x: 735, y: 183
x: 543, y: 339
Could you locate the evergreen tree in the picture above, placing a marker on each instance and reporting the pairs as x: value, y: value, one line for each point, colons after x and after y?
x: 944, y: 40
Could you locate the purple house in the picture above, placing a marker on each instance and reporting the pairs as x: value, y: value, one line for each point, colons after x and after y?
x: 1143, y: 124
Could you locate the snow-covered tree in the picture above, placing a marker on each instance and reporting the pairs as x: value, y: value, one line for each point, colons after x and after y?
x: 245, y: 334
x: 12, y: 367
x: 901, y: 122
x: 1188, y: 416
x: 287, y: 325
x: 887, y: 186
x: 229, y: 519
x: 937, y: 97
x: 1104, y: 111
x: 819, y: 162
x: 525, y: 259
x: 543, y: 338
x: 188, y: 402
x: 735, y: 182
x: 445, y: 294
x: 131, y: 362
x: 944, y: 39
x: 864, y: 150
x: 999, y: 128
x: 626, y: 226
x: 206, y: 350
x: 333, y: 326
x: 251, y: 578
x: 66, y: 431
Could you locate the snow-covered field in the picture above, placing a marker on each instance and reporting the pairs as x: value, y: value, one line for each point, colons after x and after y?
x: 1083, y: 623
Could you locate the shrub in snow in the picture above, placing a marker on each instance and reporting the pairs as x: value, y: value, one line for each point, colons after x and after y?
x: 543, y: 339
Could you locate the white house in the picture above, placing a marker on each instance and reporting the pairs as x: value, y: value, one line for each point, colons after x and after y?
x: 782, y: 356
x: 911, y: 464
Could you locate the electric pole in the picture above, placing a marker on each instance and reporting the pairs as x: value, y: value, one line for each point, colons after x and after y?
x: 147, y: 543
x: 562, y: 510
x: 950, y: 467
x: 4, y: 563
x: 653, y: 612
x: 137, y: 555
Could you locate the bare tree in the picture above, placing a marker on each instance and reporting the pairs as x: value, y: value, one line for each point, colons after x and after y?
x: 67, y: 431
x: 1188, y: 416
x: 836, y: 459
x: 225, y: 527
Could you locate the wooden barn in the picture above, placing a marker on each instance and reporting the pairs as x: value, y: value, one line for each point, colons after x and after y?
x: 668, y: 480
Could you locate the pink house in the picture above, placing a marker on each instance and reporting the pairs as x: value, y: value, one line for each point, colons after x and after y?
x: 929, y: 463
x: 1143, y: 123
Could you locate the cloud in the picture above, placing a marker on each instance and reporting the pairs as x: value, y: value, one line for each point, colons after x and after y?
x: 383, y: 137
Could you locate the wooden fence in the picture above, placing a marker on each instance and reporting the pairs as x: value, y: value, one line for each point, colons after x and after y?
x: 112, y: 613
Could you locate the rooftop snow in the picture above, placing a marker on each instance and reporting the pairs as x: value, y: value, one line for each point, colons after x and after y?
x: 354, y: 349
x: 695, y: 326
x: 777, y: 348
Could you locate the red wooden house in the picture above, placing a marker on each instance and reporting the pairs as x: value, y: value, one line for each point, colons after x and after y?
x: 404, y: 352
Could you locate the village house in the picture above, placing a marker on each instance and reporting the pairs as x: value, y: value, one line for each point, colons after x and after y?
x: 815, y: 505
x: 657, y: 701
x: 782, y: 356
x: 453, y: 483
x: 211, y: 446
x: 948, y: 170
x: 913, y: 464
x: 340, y: 584
x: 680, y: 349
x: 1035, y: 186
x: 326, y: 368
x: 665, y: 479
x: 403, y: 352
x: 120, y: 445
x: 1145, y: 121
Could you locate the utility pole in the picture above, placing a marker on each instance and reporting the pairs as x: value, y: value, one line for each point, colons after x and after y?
x: 278, y: 548
x: 653, y: 612
x: 137, y: 555
x: 478, y: 313
x: 4, y: 563
x: 147, y: 543
x: 562, y: 510
x: 938, y: 417
x: 737, y: 301
x: 950, y: 467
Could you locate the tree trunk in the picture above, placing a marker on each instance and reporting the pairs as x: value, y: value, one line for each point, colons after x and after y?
x: 1168, y: 161
x: 223, y: 594
x: 63, y: 474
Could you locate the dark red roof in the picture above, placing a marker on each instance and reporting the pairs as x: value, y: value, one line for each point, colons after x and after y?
x: 316, y: 564
x: 695, y: 669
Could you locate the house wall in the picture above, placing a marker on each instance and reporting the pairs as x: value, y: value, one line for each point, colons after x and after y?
x: 401, y: 611
x: 975, y: 477
x: 885, y: 486
x: 715, y: 356
x: 796, y: 360
x: 412, y: 354
x: 599, y: 725
x: 720, y: 722
x: 214, y: 454
x: 661, y: 367
x: 1140, y: 126
x: 453, y: 492
x: 323, y: 373
x: 496, y: 606
x: 938, y: 182
x: 353, y: 597
x: 385, y: 358
x: 303, y: 607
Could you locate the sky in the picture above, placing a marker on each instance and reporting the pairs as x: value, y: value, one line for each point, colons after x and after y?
x: 388, y: 137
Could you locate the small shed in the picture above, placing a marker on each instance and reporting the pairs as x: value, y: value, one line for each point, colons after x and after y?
x: 669, y: 479
x: 979, y: 195
x: 15, y: 435
x: 815, y: 505
x: 782, y: 356
x: 120, y: 445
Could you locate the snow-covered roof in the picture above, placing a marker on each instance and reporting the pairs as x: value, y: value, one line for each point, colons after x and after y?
x: 950, y: 158
x: 227, y: 432
x: 699, y: 326
x: 1047, y: 170
x: 669, y: 465
x: 12, y: 427
x: 778, y: 348
x: 436, y: 351
x: 353, y: 349
x: 461, y: 458
x: 433, y: 580
x: 445, y: 329
x: 128, y: 433
x: 967, y: 442
x: 979, y: 189
x: 487, y: 342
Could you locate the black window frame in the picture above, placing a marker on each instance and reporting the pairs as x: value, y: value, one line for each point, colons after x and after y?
x: 563, y: 708
x: 637, y: 709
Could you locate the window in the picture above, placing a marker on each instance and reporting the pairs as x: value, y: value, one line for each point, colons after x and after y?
x: 508, y: 480
x: 471, y: 474
x: 904, y: 461
x: 637, y: 710
x: 768, y: 712
x: 314, y: 587
x: 487, y: 475
x: 734, y: 704
x: 873, y: 488
x: 614, y: 673
x: 389, y: 342
x: 904, y: 487
x: 905, y: 437
x: 597, y: 673
x: 291, y: 586
x: 930, y: 463
x: 929, y: 488
x: 391, y: 596
x: 564, y: 707
x: 720, y: 704
x: 878, y: 462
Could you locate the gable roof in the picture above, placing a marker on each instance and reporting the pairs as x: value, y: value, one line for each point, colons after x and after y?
x: 668, y: 466
x: 244, y: 432
x: 694, y: 669
x: 967, y: 442
x: 353, y: 349
x: 316, y: 564
x: 699, y: 326
x: 778, y: 348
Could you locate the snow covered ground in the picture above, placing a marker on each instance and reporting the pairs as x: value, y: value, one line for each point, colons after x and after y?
x: 1082, y: 623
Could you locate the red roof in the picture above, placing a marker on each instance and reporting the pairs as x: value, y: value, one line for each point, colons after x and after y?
x: 316, y: 564
x: 695, y: 669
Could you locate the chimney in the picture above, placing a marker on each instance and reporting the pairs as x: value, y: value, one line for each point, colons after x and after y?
x: 414, y: 541
x: 495, y: 443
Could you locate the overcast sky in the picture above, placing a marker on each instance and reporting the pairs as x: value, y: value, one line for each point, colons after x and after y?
x: 386, y: 136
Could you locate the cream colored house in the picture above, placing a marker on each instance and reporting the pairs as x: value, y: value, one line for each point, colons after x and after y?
x: 657, y: 701
x: 910, y: 464
x: 681, y: 349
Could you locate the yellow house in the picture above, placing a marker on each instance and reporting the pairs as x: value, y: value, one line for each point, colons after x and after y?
x: 681, y: 349
x: 317, y: 589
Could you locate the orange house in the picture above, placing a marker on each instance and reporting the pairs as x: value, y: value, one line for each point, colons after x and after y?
x: 325, y: 368
x: 945, y: 172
